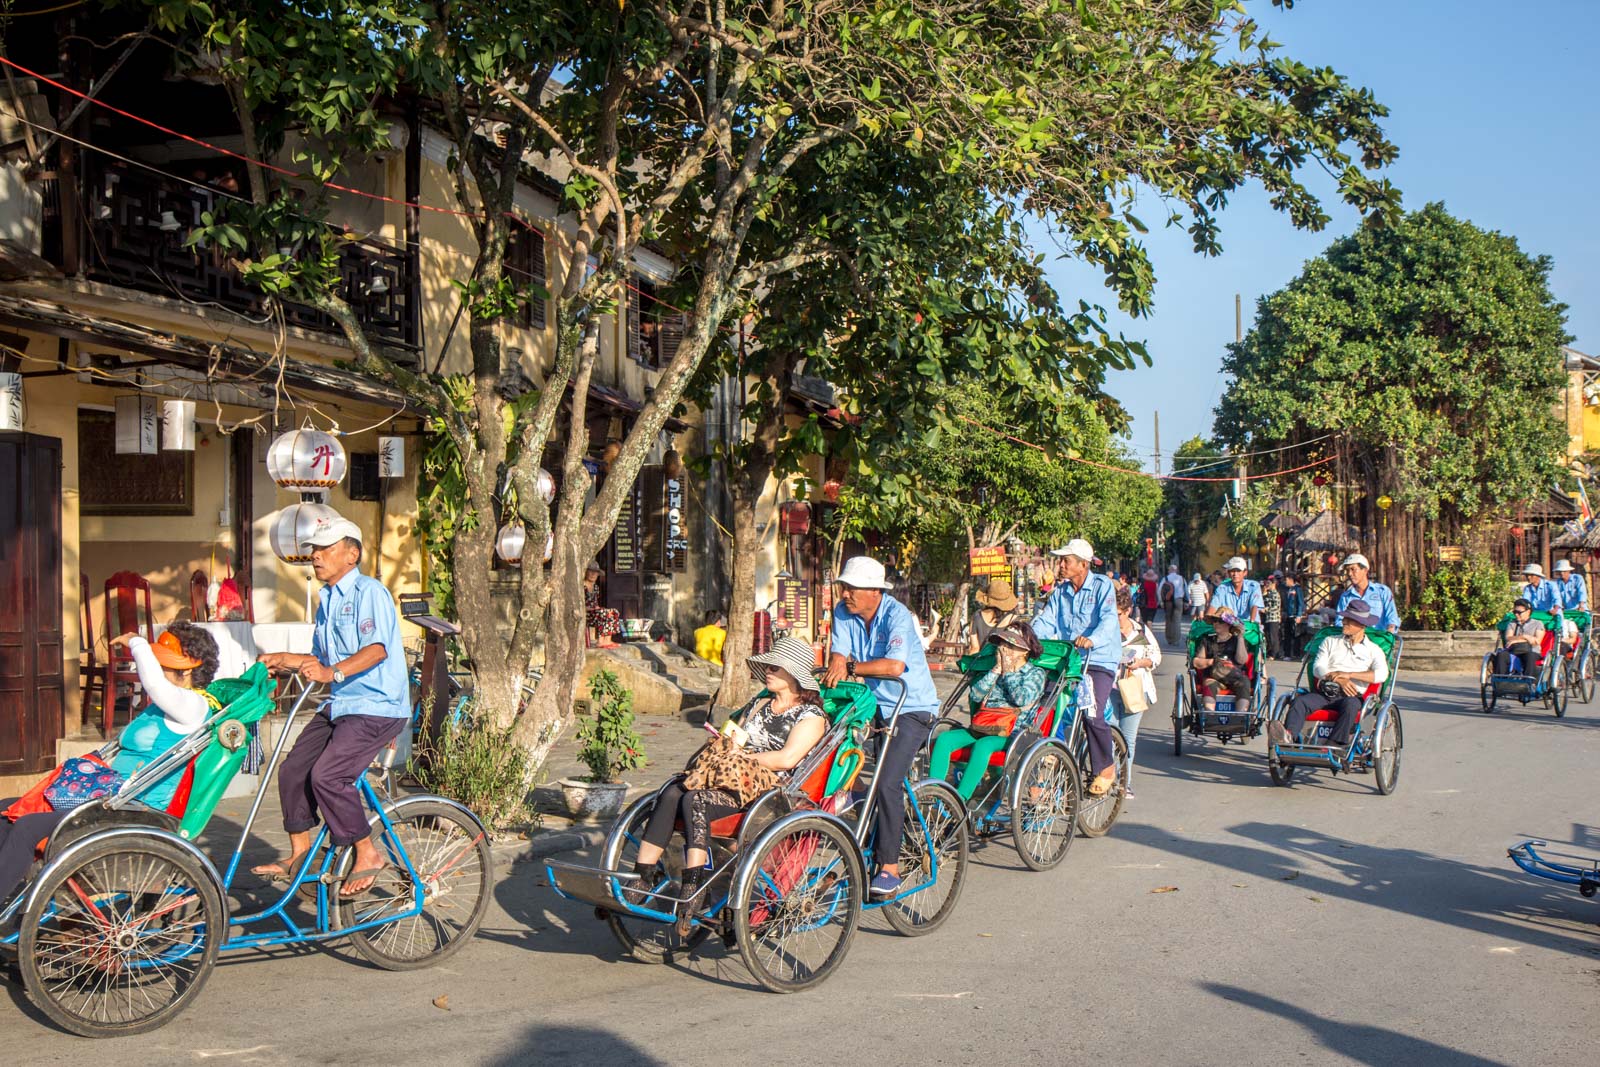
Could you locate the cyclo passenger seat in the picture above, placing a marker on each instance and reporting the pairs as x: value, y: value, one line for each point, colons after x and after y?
x: 1060, y: 660
x: 1202, y: 628
x: 243, y: 700
x: 1385, y: 642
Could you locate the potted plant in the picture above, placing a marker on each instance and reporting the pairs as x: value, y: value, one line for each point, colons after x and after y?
x: 608, y: 746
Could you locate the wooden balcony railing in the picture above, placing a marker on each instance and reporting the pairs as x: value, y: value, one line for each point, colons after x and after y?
x: 133, y: 231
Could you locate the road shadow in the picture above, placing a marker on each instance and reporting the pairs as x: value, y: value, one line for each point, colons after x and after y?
x: 1499, y: 903
x: 1455, y: 698
x: 544, y: 1045
x: 1361, y: 1043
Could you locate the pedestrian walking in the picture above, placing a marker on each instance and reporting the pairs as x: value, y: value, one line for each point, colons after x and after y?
x: 1272, y: 616
x: 1171, y: 601
x: 1136, y: 685
x: 1199, y: 596
x: 1294, y: 615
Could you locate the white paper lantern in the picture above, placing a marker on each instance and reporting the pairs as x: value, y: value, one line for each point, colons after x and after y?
x: 136, y: 426
x: 177, y: 425
x: 509, y: 543
x: 293, y: 524
x: 547, y: 485
x: 306, y: 459
x: 10, y: 401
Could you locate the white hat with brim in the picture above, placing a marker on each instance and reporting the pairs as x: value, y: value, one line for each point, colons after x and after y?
x: 793, y: 655
x: 864, y: 572
x: 1355, y: 559
x: 329, y: 531
x: 1563, y: 565
x: 1237, y: 563
x: 1075, y: 547
x: 1533, y: 568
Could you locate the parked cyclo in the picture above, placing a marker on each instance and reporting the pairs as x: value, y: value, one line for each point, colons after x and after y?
x: 1544, y: 670
x: 1579, y: 654
x: 1580, y: 871
x: 788, y: 877
x: 120, y: 927
x: 1029, y: 781
x: 1226, y: 720
x: 1376, y: 737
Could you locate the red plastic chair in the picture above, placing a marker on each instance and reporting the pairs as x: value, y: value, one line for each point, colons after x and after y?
x: 124, y: 590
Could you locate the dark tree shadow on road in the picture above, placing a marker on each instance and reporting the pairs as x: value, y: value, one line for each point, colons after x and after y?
x: 1361, y: 1043
x: 546, y: 1046
x: 1504, y: 904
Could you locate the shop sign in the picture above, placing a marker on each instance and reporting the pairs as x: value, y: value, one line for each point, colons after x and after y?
x: 625, y: 536
x: 1449, y: 553
x: 989, y: 562
x: 794, y: 597
x: 675, y: 543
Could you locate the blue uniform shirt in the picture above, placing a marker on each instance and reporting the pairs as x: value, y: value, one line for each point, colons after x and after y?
x: 354, y: 612
x: 1380, y: 601
x: 890, y: 634
x: 1574, y: 592
x: 1088, y: 612
x: 1546, y: 596
x: 1240, y: 602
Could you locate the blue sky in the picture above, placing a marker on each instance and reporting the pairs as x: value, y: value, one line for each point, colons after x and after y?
x: 1493, y: 107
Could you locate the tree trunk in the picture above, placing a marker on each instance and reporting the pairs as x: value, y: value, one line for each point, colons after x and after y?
x: 736, y: 681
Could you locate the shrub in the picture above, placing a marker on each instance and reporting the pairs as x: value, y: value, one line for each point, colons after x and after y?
x: 607, y: 744
x: 1471, y: 595
x: 481, y: 767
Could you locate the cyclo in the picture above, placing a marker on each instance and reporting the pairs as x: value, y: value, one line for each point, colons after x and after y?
x: 1548, y: 682
x: 119, y: 929
x: 789, y: 872
x: 1580, y: 657
x: 1034, y: 785
x: 1375, y: 740
x: 1585, y: 876
x: 1191, y: 716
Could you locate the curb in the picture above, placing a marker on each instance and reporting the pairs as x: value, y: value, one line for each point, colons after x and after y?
x: 549, y: 842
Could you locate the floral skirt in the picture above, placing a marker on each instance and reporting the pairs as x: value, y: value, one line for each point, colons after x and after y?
x: 606, y: 621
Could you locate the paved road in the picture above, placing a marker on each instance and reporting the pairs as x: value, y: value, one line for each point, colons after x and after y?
x: 1319, y: 924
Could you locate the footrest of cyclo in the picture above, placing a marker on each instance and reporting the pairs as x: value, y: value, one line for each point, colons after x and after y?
x: 599, y: 887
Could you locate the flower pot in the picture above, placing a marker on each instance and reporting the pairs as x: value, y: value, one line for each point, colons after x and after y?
x: 593, y: 800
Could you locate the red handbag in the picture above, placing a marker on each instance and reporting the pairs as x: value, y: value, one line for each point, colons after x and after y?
x: 995, y: 721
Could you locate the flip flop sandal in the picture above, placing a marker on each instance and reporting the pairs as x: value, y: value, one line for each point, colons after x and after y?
x: 356, y: 876
x: 1104, y: 786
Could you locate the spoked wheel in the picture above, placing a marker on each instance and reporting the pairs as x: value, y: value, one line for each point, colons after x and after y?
x: 1493, y: 698
x: 121, y: 938
x: 1586, y: 677
x: 933, y: 850
x: 1386, y: 752
x: 1282, y: 773
x: 644, y: 940
x: 1486, y: 696
x: 1044, y: 806
x: 455, y: 876
x: 796, y: 901
x: 1558, y: 691
x: 1177, y: 720
x: 1097, y: 813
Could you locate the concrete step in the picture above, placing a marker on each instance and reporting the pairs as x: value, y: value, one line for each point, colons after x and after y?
x: 1465, y: 662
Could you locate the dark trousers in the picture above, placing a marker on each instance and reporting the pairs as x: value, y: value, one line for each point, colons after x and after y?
x: 895, y: 757
x: 1525, y: 661
x: 320, y: 772
x: 1274, y: 636
x: 698, y: 808
x: 1096, y: 730
x: 17, y: 842
x: 1304, y: 704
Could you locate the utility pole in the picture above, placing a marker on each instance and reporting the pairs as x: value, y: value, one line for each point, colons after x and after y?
x: 1158, y: 443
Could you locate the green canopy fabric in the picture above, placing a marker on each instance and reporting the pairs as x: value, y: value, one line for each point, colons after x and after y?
x: 1201, y: 628
x: 1054, y: 657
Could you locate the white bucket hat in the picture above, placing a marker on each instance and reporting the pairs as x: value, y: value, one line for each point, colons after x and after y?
x: 1562, y: 565
x: 864, y: 572
x: 1355, y: 559
x: 1076, y: 547
x: 791, y: 654
x: 1533, y: 568
x: 1237, y: 563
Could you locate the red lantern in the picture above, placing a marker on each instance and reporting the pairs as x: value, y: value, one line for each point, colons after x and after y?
x: 1517, y: 532
x: 1281, y: 538
x: 794, y: 517
x: 1319, y: 480
x: 831, y: 489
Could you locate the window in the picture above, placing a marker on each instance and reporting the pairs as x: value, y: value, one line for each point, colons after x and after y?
x: 654, y: 330
x: 525, y: 262
x: 112, y: 484
x: 364, y: 481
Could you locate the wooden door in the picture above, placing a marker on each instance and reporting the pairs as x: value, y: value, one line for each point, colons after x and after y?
x: 31, y: 679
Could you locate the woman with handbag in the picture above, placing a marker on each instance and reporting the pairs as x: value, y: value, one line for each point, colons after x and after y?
x: 1136, y: 683
x: 173, y: 673
x: 748, y: 759
x: 1012, y: 686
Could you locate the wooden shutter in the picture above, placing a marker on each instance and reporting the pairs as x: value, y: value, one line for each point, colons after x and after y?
x: 635, y: 338
x: 652, y: 515
x: 673, y: 327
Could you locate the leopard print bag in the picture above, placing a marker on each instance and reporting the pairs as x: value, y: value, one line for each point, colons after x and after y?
x: 720, y: 765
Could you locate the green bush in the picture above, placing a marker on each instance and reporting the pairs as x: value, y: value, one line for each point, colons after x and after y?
x: 607, y: 744
x: 481, y: 767
x: 1472, y: 595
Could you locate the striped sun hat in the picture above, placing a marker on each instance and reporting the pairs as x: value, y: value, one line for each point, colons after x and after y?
x: 793, y: 655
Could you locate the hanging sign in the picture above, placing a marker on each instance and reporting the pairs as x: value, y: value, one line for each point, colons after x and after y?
x: 625, y: 536
x: 989, y: 562
x: 675, y: 543
x: 1449, y: 553
x: 10, y: 401
x: 794, y: 595
x: 391, y: 457
x: 136, y: 426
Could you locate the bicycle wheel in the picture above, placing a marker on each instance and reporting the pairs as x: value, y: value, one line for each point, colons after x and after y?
x: 1586, y: 677
x: 1558, y: 691
x: 1044, y: 806
x: 121, y: 938
x: 643, y: 939
x: 1386, y: 752
x: 933, y: 854
x: 455, y: 875
x: 1177, y: 719
x: 1282, y: 773
x: 796, y: 901
x: 1097, y: 813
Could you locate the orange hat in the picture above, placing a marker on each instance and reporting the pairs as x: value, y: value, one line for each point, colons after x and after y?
x: 169, y: 653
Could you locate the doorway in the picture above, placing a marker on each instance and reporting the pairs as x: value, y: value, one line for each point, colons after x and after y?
x: 32, y: 688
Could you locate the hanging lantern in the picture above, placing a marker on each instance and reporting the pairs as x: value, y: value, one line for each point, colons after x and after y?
x: 831, y: 489
x: 306, y: 459
x: 1319, y: 480
x: 1385, y: 502
x: 609, y: 454
x: 509, y: 543
x: 1282, y: 537
x: 1517, y: 532
x: 293, y: 525
x: 177, y: 425
x: 10, y: 401
x: 547, y: 485
x: 136, y: 426
x: 794, y: 517
x: 672, y: 463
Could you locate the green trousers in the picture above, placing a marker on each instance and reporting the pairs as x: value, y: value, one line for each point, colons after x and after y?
x: 952, y: 741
